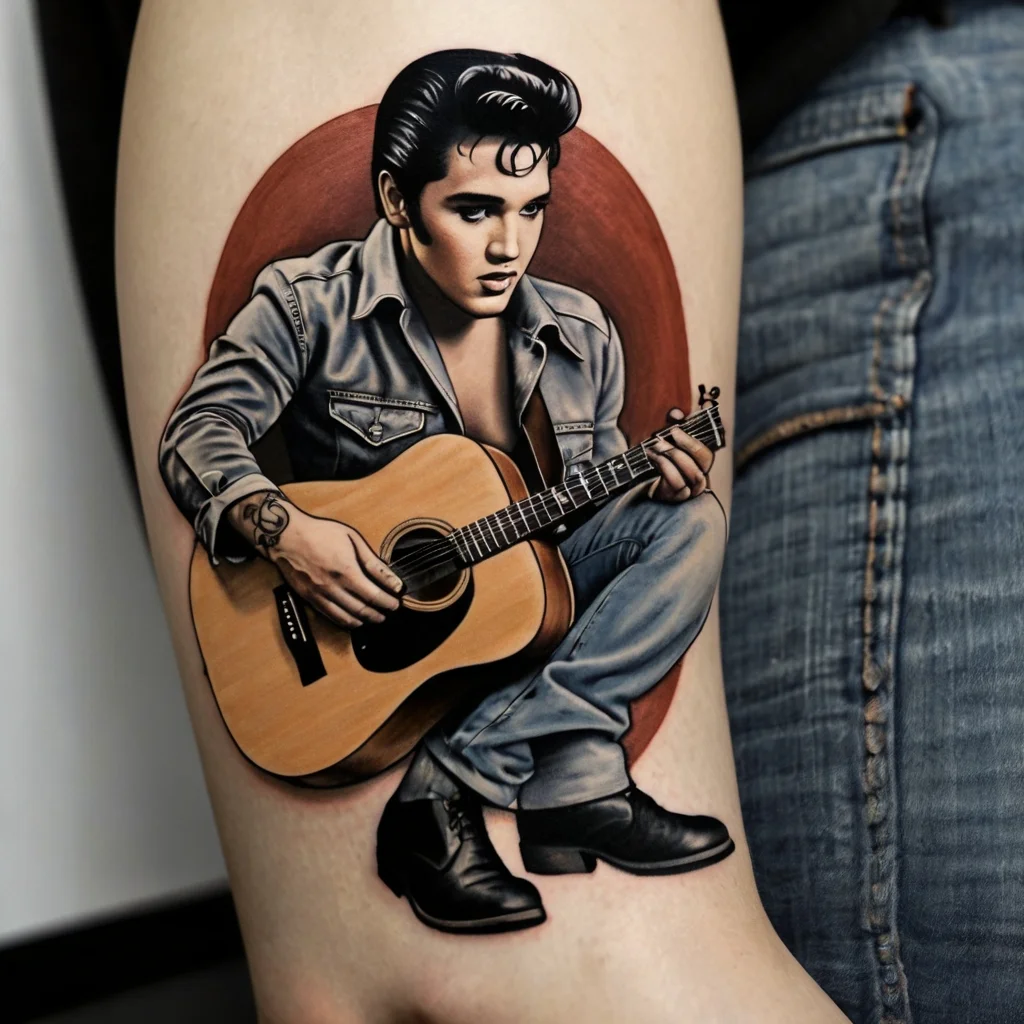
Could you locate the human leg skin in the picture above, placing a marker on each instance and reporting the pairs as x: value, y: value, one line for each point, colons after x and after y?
x: 216, y: 92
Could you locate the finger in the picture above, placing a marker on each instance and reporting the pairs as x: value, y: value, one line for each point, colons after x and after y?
x: 374, y: 567
x: 675, y: 414
x: 701, y: 453
x: 361, y: 596
x: 345, y: 596
x: 363, y: 584
x: 670, y: 473
x: 334, y: 612
x: 690, y: 471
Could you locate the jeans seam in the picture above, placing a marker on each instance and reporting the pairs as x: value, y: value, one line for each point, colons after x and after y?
x: 607, y: 547
x: 808, y: 423
x: 894, y: 346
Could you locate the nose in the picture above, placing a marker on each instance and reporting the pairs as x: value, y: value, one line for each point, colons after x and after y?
x: 503, y: 246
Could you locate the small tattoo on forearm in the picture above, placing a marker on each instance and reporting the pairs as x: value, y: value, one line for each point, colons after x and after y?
x: 269, y: 519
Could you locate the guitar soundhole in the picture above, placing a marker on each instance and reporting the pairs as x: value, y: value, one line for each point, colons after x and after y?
x: 437, y: 599
x: 430, y: 585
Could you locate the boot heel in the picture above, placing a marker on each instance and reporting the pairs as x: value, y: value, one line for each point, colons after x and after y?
x: 557, y: 860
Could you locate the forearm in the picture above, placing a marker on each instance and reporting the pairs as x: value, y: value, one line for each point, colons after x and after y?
x: 326, y: 939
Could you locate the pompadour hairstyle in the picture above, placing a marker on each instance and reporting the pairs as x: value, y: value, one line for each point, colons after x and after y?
x: 446, y: 97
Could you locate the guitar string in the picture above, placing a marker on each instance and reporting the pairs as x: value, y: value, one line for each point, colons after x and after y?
x: 437, y: 553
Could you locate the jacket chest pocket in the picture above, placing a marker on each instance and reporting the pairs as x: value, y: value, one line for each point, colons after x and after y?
x: 575, y: 442
x: 377, y: 421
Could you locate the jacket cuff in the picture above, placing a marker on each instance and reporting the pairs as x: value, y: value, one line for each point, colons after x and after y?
x: 208, y: 519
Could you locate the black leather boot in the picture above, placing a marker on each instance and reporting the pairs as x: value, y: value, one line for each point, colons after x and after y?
x: 438, y: 855
x: 628, y: 830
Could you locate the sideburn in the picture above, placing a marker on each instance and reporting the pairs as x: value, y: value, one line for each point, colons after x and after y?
x: 419, y: 228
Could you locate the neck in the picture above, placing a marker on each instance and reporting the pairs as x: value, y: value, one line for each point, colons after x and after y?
x: 448, y: 324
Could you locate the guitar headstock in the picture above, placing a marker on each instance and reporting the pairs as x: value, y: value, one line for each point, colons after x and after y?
x: 707, y: 402
x: 705, y: 397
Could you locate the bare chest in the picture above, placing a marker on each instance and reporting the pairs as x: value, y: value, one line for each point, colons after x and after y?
x: 479, y: 372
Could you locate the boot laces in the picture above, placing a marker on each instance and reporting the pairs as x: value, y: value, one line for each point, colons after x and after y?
x: 459, y: 819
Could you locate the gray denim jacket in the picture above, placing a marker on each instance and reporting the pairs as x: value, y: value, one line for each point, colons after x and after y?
x: 333, y: 345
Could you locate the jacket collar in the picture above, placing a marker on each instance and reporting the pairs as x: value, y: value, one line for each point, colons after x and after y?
x: 381, y: 279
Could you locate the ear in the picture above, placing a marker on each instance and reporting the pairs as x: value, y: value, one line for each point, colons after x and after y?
x: 393, y: 201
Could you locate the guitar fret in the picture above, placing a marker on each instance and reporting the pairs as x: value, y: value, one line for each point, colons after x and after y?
x: 518, y: 508
x: 483, y: 536
x: 510, y: 524
x: 463, y: 550
x: 562, y: 496
x: 497, y: 523
x: 533, y: 511
x: 640, y: 455
x: 487, y: 520
x: 527, y: 508
x: 500, y: 530
x: 549, y: 515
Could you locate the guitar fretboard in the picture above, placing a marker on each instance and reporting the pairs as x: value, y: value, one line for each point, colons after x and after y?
x: 521, y: 520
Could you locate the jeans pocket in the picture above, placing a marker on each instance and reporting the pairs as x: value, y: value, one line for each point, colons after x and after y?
x: 836, y: 263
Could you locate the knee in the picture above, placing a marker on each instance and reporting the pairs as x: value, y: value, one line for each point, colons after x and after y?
x: 700, y: 520
x: 694, y: 532
x: 707, y: 520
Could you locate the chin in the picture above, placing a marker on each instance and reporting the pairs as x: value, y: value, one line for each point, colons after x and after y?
x: 483, y: 306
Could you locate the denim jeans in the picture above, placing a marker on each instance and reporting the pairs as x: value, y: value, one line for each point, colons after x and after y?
x: 873, y: 593
x: 643, y: 573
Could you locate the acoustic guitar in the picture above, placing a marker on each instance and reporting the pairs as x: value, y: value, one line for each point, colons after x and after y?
x: 487, y: 593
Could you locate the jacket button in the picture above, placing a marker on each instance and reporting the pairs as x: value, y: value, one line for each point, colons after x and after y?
x: 376, y: 431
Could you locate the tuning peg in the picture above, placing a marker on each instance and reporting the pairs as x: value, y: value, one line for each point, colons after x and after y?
x: 707, y: 397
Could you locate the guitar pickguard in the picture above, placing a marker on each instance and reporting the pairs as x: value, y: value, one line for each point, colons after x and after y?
x: 408, y: 635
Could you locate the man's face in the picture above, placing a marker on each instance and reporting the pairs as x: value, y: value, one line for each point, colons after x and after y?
x: 484, y: 226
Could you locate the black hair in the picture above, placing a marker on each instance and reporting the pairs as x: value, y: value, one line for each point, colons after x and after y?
x: 440, y: 99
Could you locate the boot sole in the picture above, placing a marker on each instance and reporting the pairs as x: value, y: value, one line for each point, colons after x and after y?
x: 515, y: 921
x: 574, y: 860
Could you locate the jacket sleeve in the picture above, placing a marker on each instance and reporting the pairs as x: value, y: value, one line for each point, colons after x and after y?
x: 608, y: 437
x: 250, y: 375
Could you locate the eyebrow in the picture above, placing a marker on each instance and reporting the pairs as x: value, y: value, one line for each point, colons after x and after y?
x: 483, y: 199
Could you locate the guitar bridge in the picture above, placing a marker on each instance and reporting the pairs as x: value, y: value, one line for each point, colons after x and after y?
x: 298, y: 637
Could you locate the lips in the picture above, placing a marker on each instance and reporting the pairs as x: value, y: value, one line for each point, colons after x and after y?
x: 498, y: 281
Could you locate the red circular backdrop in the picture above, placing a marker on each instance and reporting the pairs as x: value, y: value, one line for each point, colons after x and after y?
x: 600, y: 235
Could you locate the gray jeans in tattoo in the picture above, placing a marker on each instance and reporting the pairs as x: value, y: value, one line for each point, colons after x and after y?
x: 644, y: 573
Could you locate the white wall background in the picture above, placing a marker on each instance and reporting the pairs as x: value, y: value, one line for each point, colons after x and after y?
x: 102, y: 805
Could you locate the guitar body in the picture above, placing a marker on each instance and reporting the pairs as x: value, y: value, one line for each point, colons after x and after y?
x: 318, y: 705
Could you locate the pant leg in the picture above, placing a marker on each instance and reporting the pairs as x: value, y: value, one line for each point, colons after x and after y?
x: 644, y: 573
x: 872, y: 597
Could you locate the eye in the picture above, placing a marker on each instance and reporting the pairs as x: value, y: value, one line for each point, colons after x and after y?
x: 531, y: 210
x: 472, y: 214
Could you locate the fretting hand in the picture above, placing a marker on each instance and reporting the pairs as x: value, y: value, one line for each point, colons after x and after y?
x: 682, y: 461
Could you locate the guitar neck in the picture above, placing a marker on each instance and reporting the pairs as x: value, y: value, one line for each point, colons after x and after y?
x: 484, y: 538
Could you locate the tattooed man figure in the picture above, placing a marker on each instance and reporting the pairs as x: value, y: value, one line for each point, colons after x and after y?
x: 431, y: 324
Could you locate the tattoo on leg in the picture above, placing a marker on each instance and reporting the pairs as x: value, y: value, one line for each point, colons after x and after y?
x: 269, y: 519
x: 462, y: 138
